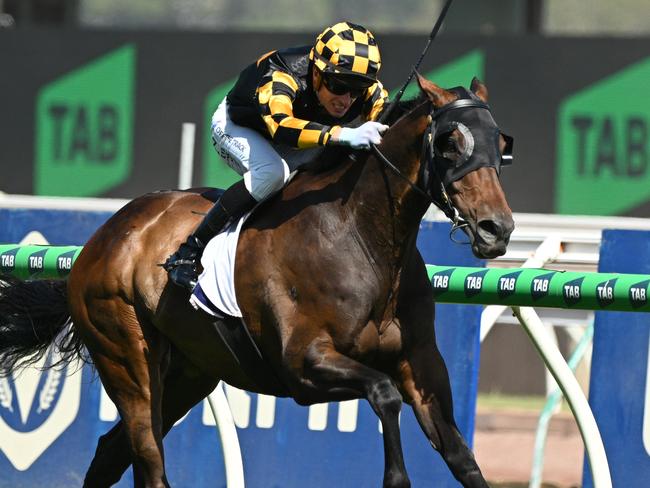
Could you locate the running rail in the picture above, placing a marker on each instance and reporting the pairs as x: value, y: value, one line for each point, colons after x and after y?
x: 531, y: 287
x: 37, y: 262
x: 519, y: 288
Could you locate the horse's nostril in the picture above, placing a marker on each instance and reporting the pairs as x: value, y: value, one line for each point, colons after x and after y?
x: 489, y: 227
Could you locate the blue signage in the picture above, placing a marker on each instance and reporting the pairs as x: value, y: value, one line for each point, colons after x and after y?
x: 619, y: 391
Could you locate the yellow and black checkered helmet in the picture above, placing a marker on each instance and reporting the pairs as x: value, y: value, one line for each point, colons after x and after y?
x: 347, y: 49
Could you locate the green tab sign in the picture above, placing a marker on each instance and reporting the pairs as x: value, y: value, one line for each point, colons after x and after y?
x: 84, y: 127
x: 603, y: 145
x: 458, y: 72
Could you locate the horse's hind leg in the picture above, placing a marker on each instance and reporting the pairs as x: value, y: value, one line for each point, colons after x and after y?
x: 131, y: 357
x: 184, y: 387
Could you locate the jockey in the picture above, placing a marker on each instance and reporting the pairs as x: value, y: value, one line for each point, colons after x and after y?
x: 284, y: 107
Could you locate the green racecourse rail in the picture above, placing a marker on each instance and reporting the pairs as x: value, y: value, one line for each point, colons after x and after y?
x: 37, y: 262
x: 533, y: 287
x: 499, y: 286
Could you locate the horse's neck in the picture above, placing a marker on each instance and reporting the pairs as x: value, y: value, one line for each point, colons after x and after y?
x: 388, y: 210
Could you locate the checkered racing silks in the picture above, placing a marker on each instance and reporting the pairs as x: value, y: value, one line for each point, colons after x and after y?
x: 275, y: 95
x: 276, y: 98
x: 348, y: 49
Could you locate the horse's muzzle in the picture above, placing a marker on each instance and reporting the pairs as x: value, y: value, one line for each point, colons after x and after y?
x: 490, y: 236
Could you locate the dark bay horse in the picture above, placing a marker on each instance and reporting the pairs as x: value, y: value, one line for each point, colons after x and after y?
x: 331, y: 285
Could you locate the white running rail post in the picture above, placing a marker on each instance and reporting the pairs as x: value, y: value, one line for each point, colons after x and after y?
x: 547, y: 251
x: 232, y: 458
x: 572, y: 392
x: 186, y: 163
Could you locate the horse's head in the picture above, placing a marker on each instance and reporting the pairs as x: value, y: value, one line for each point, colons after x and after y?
x: 464, y: 152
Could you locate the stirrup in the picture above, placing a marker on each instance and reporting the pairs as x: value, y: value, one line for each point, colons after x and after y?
x: 182, y: 257
x: 185, y: 275
x: 182, y: 266
x: 177, y: 259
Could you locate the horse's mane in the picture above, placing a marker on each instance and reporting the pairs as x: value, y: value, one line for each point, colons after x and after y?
x: 403, y: 107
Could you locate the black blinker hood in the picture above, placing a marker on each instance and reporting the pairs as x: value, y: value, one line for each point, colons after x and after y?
x: 481, y: 135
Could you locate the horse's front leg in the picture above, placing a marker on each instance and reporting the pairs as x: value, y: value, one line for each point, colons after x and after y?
x: 332, y: 372
x: 425, y: 382
x: 423, y: 376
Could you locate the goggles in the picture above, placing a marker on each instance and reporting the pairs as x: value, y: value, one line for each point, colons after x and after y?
x: 339, y: 85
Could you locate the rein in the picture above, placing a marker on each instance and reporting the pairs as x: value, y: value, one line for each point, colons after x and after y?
x: 446, y: 206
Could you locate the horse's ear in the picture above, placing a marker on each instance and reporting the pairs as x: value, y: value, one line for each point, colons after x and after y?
x: 439, y: 96
x: 479, y: 89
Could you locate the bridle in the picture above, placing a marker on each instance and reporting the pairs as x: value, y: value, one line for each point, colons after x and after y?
x: 431, y: 184
x: 429, y: 170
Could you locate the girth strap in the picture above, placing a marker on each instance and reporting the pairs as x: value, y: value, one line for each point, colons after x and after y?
x: 235, y: 335
x: 242, y: 347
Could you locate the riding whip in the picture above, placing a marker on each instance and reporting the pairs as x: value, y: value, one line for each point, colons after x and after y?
x: 393, y: 104
x: 432, y: 36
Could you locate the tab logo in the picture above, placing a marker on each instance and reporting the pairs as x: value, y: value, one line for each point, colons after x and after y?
x: 84, y: 127
x: 36, y: 407
x: 639, y: 294
x: 474, y: 283
x: 64, y: 263
x: 572, y: 291
x: 440, y: 282
x: 540, y: 286
x: 8, y: 261
x: 36, y: 262
x: 507, y: 284
x: 603, y: 145
x: 605, y: 292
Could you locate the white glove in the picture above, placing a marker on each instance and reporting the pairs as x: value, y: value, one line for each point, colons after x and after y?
x: 361, y: 137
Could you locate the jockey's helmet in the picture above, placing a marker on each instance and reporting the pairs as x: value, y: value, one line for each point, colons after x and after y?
x: 348, y: 51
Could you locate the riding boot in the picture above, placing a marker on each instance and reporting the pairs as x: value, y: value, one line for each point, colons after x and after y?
x: 183, y: 265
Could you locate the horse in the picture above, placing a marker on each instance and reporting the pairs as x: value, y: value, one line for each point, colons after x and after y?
x: 363, y: 330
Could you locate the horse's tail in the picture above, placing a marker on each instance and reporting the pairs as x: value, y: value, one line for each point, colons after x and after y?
x: 33, y: 314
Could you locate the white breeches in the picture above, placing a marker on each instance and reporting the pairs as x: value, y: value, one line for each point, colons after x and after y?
x: 250, y: 154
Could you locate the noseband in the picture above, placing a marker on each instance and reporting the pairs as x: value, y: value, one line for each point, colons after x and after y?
x: 473, y: 117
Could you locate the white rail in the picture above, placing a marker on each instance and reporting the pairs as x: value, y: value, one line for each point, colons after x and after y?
x: 62, y: 203
x: 572, y: 392
x: 546, y: 344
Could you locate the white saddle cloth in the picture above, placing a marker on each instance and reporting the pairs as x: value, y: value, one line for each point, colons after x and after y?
x: 218, y: 278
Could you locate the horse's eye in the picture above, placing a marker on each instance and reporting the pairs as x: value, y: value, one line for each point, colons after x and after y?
x: 447, y: 146
x: 452, y: 145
